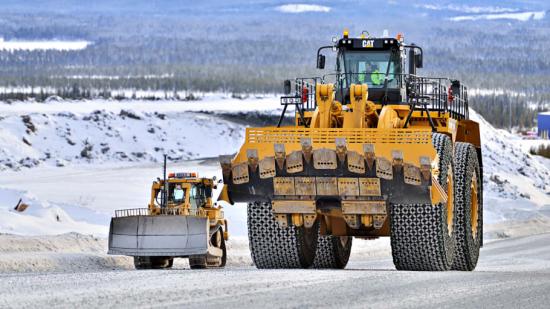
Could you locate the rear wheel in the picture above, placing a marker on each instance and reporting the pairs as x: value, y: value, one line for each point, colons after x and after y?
x: 422, y: 235
x: 272, y: 246
x: 332, y: 251
x: 469, y: 204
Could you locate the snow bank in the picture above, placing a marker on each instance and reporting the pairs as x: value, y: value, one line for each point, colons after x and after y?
x: 47, y: 218
x: 67, y: 253
x: 516, y: 184
x: 60, y: 133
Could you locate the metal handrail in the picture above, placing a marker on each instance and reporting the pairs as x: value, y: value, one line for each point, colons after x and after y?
x: 429, y: 92
x: 169, y: 211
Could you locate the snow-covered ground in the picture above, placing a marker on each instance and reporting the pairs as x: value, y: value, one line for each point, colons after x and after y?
x: 511, y: 273
x: 74, y: 162
x: 12, y: 45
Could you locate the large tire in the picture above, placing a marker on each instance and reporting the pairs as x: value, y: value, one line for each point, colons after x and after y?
x: 422, y: 235
x: 272, y: 246
x: 332, y: 251
x: 469, y: 205
x: 153, y: 262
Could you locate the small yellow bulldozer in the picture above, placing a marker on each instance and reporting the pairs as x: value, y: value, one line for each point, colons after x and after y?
x: 181, y: 221
x: 375, y: 150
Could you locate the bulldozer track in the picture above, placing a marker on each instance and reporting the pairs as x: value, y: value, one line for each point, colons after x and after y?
x: 272, y: 246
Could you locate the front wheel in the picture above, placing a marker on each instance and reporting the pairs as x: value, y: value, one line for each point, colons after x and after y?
x: 469, y: 204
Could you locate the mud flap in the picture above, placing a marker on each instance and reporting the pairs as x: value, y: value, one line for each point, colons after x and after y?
x: 158, y: 236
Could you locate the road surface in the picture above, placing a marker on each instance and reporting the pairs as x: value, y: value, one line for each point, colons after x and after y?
x: 511, y: 273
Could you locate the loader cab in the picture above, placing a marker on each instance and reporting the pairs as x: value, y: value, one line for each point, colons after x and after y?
x: 369, y: 61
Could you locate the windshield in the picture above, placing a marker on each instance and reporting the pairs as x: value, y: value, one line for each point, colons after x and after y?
x: 368, y: 67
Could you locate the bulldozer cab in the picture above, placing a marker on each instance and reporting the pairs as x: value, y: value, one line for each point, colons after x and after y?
x: 183, y: 191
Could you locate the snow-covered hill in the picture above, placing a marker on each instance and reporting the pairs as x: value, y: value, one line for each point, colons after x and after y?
x: 60, y: 133
x: 75, y: 162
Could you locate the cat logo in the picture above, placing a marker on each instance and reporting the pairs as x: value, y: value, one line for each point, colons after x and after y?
x: 368, y: 43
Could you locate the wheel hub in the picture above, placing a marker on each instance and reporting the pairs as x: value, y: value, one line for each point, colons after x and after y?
x: 450, y: 199
x: 474, y: 206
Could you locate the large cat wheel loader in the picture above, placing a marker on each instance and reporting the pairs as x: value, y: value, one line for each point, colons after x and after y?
x: 180, y: 221
x: 375, y: 151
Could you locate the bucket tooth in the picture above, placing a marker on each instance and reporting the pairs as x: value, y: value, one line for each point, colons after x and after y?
x: 225, y: 162
x: 252, y: 156
x: 378, y: 221
x: 294, y: 162
x: 309, y: 220
x: 356, y: 162
x: 425, y: 168
x: 282, y: 220
x: 307, y: 148
x: 411, y: 174
x: 352, y: 221
x: 240, y: 173
x: 324, y: 159
x: 384, y: 168
x: 397, y: 159
x: 341, y: 148
x: 267, y: 167
x: 280, y: 155
x: 368, y: 149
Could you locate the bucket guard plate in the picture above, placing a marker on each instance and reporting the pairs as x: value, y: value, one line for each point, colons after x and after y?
x: 158, y: 236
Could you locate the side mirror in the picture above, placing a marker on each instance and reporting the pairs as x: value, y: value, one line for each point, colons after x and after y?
x: 320, y: 61
x: 418, y: 60
x: 286, y: 87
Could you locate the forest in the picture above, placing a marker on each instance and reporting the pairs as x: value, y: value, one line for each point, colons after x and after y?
x: 206, y: 48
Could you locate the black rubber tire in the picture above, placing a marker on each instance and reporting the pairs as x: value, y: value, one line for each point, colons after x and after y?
x: 142, y: 262
x: 153, y: 262
x: 467, y: 246
x: 444, y: 148
x: 420, y: 237
x: 331, y: 253
x: 224, y: 249
x: 272, y: 246
x: 223, y: 258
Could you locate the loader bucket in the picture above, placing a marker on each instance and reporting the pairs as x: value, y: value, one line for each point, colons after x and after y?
x: 160, y: 235
x: 300, y: 164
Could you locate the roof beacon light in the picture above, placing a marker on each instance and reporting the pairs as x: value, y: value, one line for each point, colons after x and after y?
x: 400, y: 37
x: 346, y: 33
x: 386, y: 33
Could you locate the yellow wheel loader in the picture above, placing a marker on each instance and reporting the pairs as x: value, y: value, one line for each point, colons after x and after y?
x: 180, y: 221
x: 375, y: 151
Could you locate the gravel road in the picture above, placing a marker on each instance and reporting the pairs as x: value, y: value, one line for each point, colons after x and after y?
x: 511, y: 273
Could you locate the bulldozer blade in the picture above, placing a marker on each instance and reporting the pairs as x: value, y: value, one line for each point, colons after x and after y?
x: 158, y: 236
